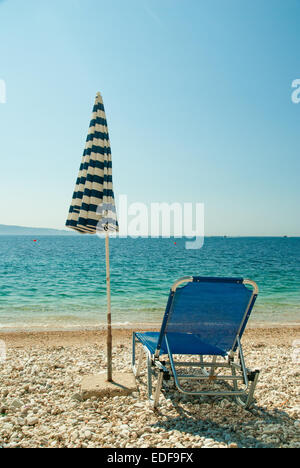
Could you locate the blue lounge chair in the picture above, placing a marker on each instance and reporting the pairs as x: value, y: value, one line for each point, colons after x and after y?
x: 203, y: 317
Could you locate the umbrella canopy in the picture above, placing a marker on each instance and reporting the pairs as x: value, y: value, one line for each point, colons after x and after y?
x: 93, y: 204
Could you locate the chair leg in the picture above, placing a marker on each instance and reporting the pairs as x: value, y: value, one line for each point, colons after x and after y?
x: 149, y: 372
x: 252, y: 390
x: 248, y: 403
x: 137, y: 371
x: 158, y: 389
x: 233, y: 372
x: 133, y: 352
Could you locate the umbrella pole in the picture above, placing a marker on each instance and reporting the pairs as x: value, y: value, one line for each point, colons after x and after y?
x: 109, y: 335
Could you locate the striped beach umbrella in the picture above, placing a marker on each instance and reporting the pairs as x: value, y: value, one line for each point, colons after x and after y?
x: 93, y: 208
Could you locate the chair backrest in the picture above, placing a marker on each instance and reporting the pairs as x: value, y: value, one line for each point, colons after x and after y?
x: 214, y: 309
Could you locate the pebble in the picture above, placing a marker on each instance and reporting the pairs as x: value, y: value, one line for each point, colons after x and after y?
x: 41, y: 405
x: 32, y: 421
x: 16, y: 404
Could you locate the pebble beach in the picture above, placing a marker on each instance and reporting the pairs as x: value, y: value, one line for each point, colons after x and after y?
x: 41, y: 404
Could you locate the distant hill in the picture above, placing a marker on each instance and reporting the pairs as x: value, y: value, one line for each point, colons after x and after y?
x: 31, y: 231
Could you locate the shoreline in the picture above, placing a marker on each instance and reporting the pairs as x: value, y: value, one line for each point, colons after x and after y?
x: 273, y: 334
x: 127, y: 326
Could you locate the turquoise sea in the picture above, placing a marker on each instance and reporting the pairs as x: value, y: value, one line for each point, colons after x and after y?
x: 59, y: 281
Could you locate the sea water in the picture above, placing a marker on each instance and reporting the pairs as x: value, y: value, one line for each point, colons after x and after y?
x: 59, y: 282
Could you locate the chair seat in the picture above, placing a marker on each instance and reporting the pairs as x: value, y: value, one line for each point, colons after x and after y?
x: 180, y: 343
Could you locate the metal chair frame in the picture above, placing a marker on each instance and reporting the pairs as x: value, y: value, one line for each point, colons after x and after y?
x: 164, y: 371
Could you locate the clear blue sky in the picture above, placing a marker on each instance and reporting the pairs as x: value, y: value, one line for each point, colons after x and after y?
x: 197, y: 96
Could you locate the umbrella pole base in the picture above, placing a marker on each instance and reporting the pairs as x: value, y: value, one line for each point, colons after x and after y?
x: 98, y: 386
